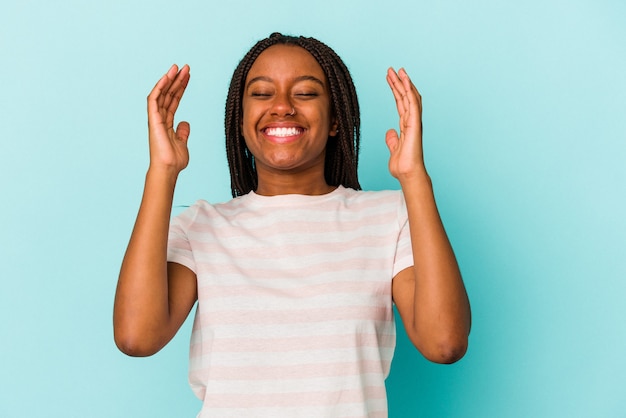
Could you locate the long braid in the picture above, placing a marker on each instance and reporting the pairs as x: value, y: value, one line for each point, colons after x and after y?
x: 341, y: 151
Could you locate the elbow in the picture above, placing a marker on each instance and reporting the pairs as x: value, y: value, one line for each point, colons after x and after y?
x: 445, y: 350
x: 133, y: 350
x: 443, y: 344
x: 134, y: 345
x: 448, y: 353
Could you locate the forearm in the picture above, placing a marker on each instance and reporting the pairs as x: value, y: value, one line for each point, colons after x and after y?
x: 441, y: 311
x: 141, y: 302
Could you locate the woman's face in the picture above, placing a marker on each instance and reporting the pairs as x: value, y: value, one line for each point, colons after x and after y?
x: 286, y: 111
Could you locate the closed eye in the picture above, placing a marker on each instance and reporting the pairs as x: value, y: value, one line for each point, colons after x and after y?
x: 255, y: 94
x: 306, y: 95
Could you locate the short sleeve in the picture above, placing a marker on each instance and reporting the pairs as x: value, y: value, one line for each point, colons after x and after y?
x: 179, y: 249
x: 404, y: 252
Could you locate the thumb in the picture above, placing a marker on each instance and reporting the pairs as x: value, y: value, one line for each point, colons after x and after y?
x: 182, y: 131
x: 391, y: 139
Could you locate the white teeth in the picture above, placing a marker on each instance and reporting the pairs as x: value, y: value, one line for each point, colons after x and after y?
x: 282, y: 131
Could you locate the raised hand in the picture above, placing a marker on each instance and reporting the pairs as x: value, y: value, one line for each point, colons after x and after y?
x: 406, y: 157
x: 430, y: 296
x: 168, y: 147
x: 153, y: 298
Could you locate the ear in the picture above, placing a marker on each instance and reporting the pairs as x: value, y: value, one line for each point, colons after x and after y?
x: 334, y: 128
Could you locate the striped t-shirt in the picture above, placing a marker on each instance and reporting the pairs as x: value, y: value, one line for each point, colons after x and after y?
x: 294, y: 315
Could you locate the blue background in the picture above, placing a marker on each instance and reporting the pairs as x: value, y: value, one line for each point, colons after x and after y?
x: 524, y: 139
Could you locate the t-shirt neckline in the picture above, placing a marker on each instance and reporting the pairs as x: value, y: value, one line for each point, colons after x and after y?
x: 293, y: 198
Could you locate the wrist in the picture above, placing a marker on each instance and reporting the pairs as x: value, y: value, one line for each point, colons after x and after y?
x: 418, y: 178
x: 162, y: 175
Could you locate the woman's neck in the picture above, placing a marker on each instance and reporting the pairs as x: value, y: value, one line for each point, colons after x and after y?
x: 273, y: 184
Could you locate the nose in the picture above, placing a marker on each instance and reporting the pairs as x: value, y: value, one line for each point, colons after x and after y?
x: 282, y: 105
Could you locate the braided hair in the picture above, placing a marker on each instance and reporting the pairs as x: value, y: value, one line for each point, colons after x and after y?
x: 340, y: 167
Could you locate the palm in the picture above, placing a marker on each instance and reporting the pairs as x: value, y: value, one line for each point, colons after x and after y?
x: 405, y: 148
x: 168, y: 147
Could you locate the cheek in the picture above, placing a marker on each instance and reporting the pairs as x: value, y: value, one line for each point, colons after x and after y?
x: 247, y: 124
x: 247, y: 110
x: 248, y: 131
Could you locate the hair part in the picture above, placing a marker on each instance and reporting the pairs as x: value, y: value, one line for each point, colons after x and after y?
x: 342, y: 150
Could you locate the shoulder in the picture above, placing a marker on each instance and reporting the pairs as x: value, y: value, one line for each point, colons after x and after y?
x: 372, y: 197
x: 201, y: 209
x: 379, y: 204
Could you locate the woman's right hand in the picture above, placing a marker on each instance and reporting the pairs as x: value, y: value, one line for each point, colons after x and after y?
x: 154, y: 297
x: 168, y: 147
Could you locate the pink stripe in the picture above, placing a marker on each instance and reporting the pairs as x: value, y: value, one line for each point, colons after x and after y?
x: 286, y: 400
x: 275, y: 345
x: 348, y: 201
x: 296, y: 316
x: 211, y: 291
x: 362, y: 201
x: 343, y: 265
x: 253, y: 248
x: 175, y: 242
x: 280, y: 227
x: 297, y: 372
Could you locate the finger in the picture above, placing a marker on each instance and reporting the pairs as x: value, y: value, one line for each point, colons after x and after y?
x: 392, y: 140
x: 175, y: 91
x: 182, y: 131
x: 409, y: 97
x: 414, y: 100
x: 168, y: 79
x: 175, y: 94
x: 414, y: 95
x: 155, y: 98
x: 402, y: 103
x: 398, y: 90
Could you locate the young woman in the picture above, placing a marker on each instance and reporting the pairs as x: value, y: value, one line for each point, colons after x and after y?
x: 296, y: 276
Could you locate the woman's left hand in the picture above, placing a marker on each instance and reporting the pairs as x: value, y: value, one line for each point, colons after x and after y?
x: 430, y: 296
x: 406, y: 159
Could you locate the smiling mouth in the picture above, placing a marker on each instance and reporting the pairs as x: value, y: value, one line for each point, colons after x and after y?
x: 283, y: 132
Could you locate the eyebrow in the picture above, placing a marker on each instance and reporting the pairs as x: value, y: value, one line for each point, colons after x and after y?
x: 298, y: 79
